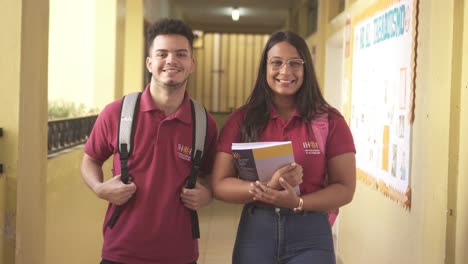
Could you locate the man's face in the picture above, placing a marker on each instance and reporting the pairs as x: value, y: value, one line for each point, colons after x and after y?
x: 170, y: 61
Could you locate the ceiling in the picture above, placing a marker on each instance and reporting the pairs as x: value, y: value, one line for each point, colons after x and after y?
x: 256, y: 16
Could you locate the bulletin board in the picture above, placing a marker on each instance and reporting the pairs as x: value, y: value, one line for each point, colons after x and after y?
x: 382, y: 93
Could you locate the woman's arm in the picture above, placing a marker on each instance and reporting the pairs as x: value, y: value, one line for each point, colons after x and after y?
x: 338, y: 192
x: 340, y: 188
x: 225, y: 183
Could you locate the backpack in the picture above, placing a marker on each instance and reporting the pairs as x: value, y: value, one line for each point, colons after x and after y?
x: 320, y: 130
x: 128, y: 113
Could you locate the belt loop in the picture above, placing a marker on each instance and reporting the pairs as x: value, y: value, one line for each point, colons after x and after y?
x: 251, y: 209
x: 301, y: 212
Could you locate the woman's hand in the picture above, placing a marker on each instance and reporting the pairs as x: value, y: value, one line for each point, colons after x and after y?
x: 286, y: 198
x: 292, y: 173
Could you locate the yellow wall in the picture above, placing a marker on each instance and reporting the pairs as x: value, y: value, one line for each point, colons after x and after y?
x: 23, y: 115
x: 388, y: 233
x: 10, y: 25
x: 461, y: 211
x: 454, y: 134
x: 134, y: 54
x: 104, y: 55
x: 319, y: 39
x: 74, y: 214
x: 119, y: 49
x: 24, y: 212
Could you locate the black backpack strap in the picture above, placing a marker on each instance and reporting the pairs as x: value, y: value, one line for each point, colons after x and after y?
x: 199, y: 127
x: 128, y: 113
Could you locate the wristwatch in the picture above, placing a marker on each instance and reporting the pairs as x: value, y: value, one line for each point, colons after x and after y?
x: 299, y: 207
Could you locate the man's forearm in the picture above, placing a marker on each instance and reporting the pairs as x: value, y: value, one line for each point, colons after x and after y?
x: 92, y: 173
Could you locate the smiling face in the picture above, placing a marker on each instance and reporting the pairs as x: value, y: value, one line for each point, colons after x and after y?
x: 170, y: 61
x: 285, y: 71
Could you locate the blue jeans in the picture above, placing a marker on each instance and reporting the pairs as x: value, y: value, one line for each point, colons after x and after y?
x: 269, y: 235
x: 111, y: 262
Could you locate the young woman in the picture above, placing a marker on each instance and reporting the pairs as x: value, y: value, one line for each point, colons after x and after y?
x: 277, y: 225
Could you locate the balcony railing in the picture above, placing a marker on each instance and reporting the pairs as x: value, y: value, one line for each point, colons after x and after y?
x: 67, y: 133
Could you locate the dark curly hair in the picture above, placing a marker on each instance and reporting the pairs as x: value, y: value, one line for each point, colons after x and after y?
x: 168, y: 26
x: 309, y: 99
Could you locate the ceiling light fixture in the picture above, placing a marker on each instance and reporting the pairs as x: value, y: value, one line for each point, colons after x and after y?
x: 235, y: 14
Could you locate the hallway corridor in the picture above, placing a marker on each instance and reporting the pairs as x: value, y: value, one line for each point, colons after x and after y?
x: 218, y: 225
x: 395, y: 70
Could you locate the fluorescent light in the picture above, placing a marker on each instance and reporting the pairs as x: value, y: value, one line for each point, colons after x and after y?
x: 235, y: 14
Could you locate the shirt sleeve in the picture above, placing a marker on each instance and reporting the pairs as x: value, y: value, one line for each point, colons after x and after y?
x: 340, y: 140
x: 103, y: 138
x: 230, y: 132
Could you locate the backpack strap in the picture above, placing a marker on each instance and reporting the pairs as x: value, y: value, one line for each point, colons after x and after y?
x: 129, y: 110
x: 199, y: 127
x: 128, y: 113
x: 320, y: 127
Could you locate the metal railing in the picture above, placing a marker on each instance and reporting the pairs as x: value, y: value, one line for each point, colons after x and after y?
x: 67, y: 133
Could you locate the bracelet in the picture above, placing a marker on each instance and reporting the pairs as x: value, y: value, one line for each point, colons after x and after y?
x: 299, y: 207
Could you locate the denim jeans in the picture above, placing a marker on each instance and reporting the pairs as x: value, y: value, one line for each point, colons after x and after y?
x: 110, y: 262
x: 269, y: 235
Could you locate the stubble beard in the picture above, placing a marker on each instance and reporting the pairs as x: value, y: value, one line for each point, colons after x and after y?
x: 170, y: 85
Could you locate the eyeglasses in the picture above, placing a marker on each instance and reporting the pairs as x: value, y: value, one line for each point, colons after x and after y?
x: 276, y: 63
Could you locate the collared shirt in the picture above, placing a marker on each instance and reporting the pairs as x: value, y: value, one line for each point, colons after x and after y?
x: 154, y: 226
x: 300, y: 133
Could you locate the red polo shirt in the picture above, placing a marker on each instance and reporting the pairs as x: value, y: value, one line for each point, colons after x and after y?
x: 306, y: 153
x: 154, y: 226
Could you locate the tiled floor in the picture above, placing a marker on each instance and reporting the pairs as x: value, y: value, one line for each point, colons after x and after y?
x: 218, y: 226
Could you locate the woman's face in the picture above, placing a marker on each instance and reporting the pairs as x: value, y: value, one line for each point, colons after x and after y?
x: 285, y: 69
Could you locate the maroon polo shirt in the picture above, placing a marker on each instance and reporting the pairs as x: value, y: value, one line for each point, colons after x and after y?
x: 306, y: 151
x: 154, y: 226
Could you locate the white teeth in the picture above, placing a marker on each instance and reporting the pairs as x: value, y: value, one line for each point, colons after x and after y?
x: 283, y: 81
x: 172, y: 70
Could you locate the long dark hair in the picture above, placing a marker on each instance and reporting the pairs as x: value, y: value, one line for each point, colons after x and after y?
x: 309, y: 99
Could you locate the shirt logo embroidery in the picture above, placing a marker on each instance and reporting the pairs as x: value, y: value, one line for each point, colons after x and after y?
x: 184, y: 152
x: 311, y: 147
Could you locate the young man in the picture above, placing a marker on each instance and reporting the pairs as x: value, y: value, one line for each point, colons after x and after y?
x: 154, y: 225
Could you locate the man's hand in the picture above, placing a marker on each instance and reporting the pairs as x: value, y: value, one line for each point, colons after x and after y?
x: 196, y: 198
x: 115, y: 191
